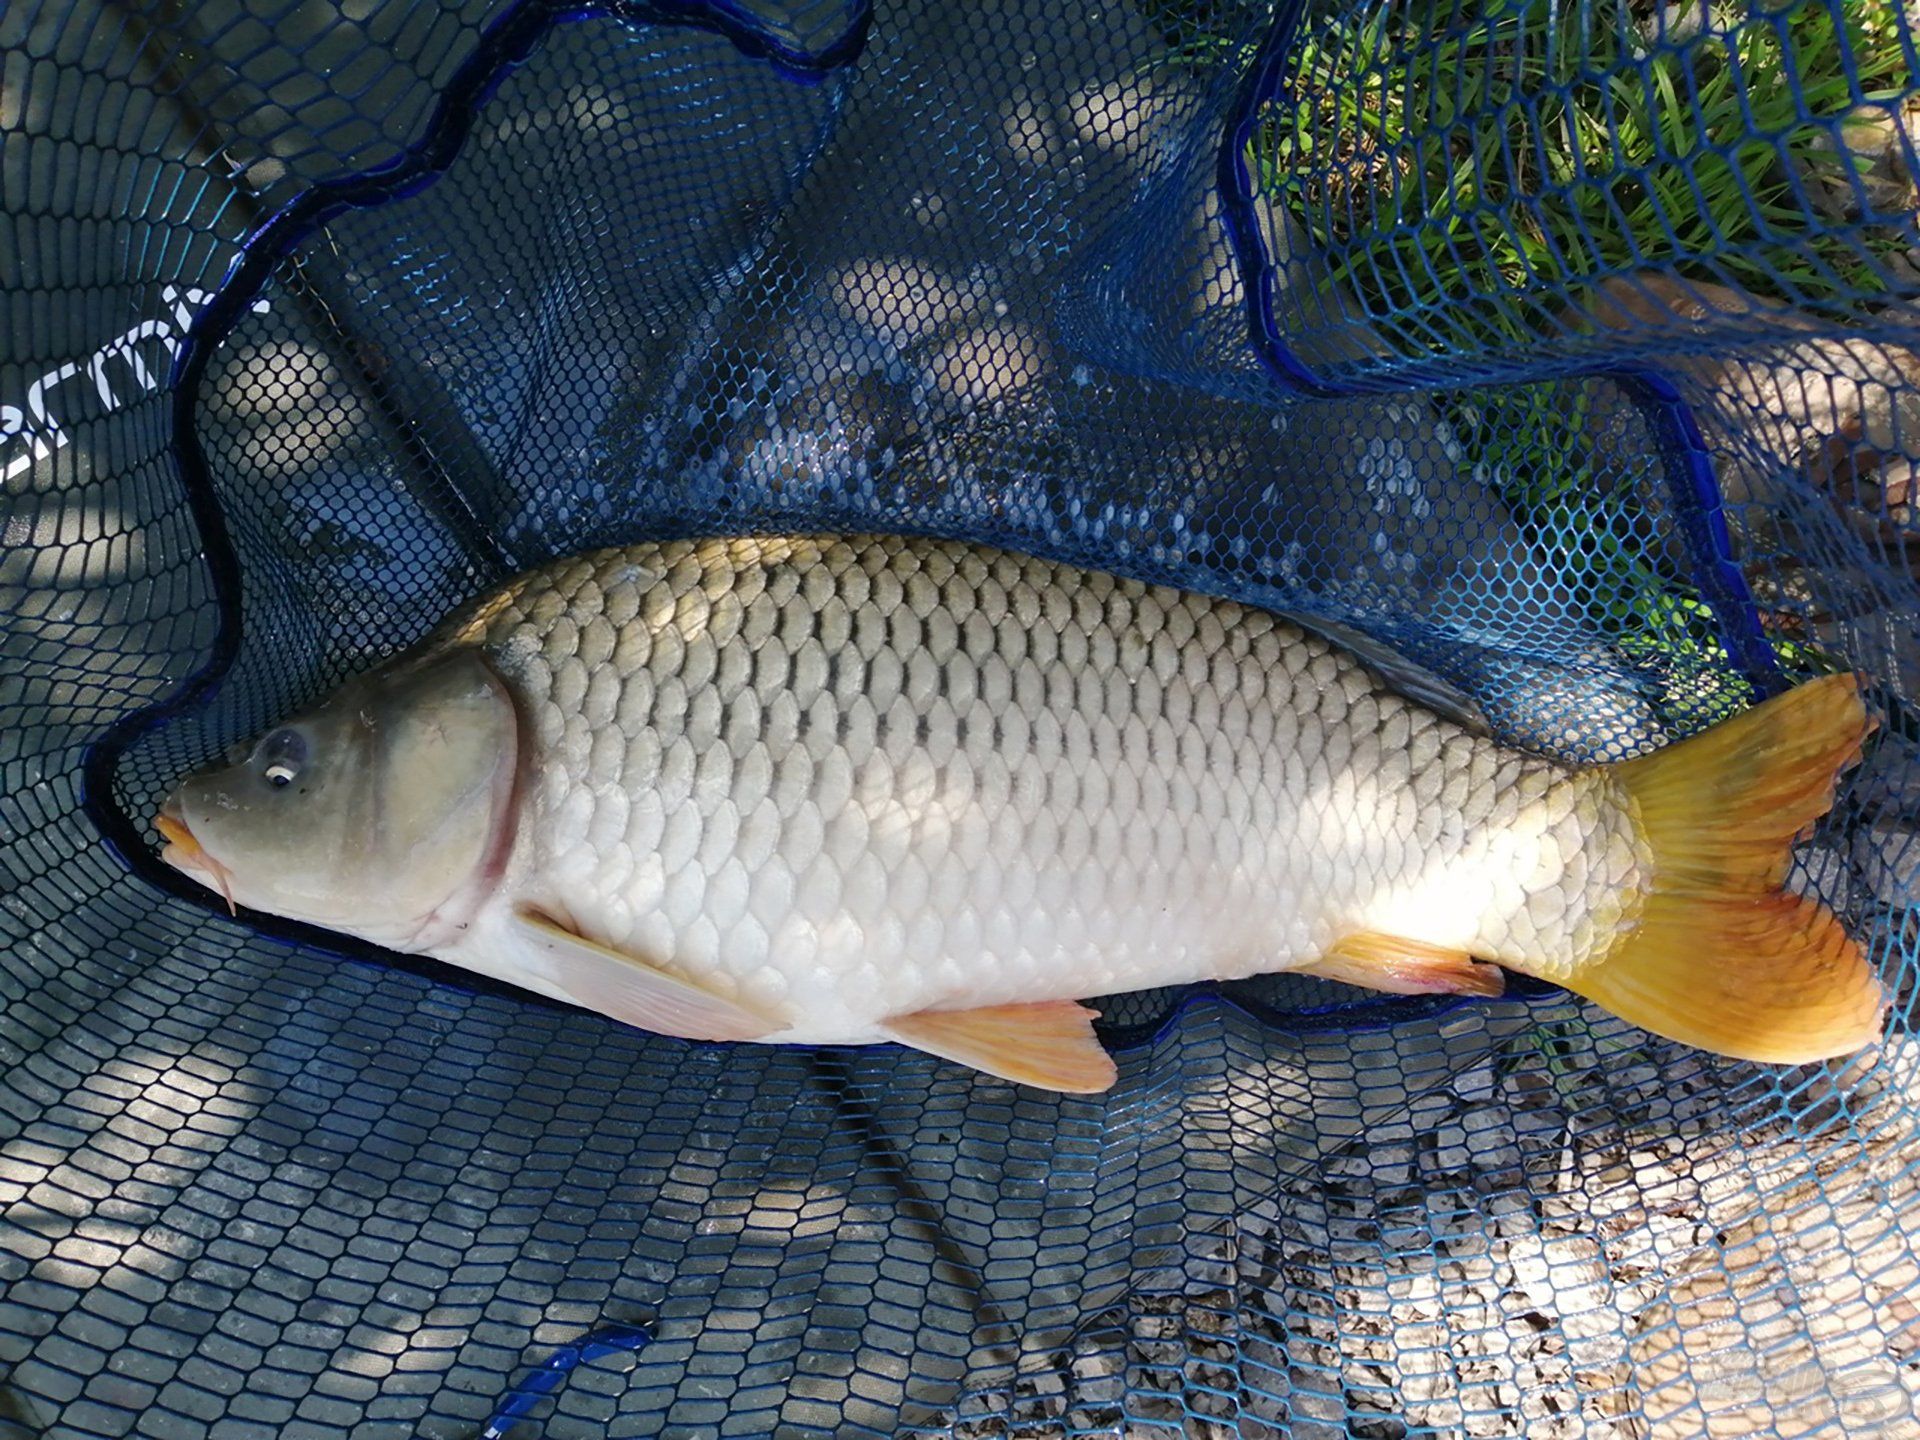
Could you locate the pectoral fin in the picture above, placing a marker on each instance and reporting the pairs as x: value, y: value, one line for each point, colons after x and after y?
x: 629, y: 989
x: 1406, y: 967
x: 1049, y: 1045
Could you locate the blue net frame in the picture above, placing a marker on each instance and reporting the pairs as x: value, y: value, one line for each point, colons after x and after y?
x: 1568, y: 349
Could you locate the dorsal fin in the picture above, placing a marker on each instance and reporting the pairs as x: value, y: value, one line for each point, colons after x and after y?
x: 1406, y: 677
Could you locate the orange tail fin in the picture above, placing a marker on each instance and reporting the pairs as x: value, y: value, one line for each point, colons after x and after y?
x: 1721, y: 957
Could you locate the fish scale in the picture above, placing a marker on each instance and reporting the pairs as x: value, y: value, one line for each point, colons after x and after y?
x: 879, y: 788
x: 870, y: 776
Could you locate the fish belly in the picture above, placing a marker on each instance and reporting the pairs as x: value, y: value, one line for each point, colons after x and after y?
x: 843, y: 780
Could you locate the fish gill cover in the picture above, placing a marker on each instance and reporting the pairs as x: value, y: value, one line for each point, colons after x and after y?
x: 1568, y: 349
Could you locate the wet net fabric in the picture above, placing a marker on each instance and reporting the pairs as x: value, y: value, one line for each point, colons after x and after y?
x: 1569, y: 350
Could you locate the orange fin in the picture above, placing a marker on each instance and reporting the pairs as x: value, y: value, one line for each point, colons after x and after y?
x: 629, y: 989
x: 1049, y: 1045
x: 1721, y: 957
x: 1407, y: 967
x: 1769, y: 977
x: 1722, y: 809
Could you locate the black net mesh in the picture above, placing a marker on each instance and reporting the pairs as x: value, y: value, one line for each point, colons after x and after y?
x: 1567, y: 349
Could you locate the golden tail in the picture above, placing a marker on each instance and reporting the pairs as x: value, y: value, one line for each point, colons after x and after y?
x: 1722, y: 958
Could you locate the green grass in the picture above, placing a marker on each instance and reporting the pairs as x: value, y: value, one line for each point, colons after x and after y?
x: 1657, y: 621
x: 1448, y: 157
x: 1535, y: 440
x: 1468, y: 167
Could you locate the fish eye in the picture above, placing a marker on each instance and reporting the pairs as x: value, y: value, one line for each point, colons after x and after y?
x: 282, y: 756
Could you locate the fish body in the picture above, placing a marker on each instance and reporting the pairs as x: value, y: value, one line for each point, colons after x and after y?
x: 856, y: 789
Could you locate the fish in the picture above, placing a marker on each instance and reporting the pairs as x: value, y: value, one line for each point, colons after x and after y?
x: 853, y: 790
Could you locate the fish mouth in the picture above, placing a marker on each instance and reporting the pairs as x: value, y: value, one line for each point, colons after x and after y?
x: 186, y: 854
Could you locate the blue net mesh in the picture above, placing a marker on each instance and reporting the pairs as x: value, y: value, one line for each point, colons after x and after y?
x: 1569, y: 349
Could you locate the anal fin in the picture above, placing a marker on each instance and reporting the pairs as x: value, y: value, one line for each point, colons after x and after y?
x: 1049, y: 1045
x: 1406, y: 967
x: 632, y: 990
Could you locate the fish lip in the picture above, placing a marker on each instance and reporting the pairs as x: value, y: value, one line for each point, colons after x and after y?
x: 186, y: 854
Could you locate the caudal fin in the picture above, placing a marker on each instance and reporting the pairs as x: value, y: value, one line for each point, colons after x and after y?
x: 1721, y: 957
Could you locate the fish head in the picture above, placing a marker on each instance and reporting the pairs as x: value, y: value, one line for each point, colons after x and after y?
x: 386, y: 812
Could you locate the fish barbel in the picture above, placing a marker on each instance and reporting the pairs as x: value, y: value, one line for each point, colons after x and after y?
x: 861, y: 789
